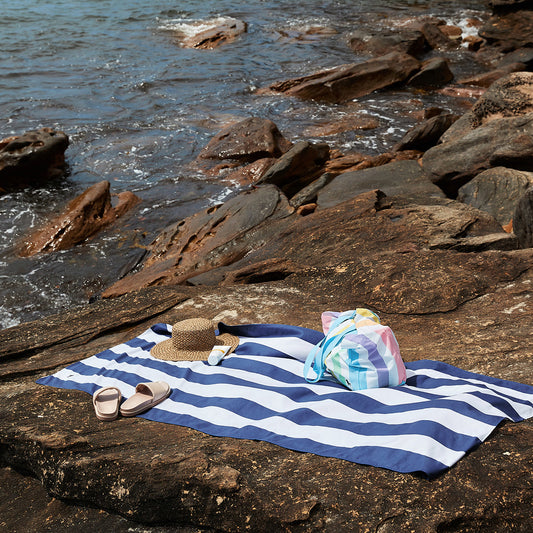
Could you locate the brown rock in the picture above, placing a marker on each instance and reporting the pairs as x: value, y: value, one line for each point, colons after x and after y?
x: 452, y: 32
x: 32, y: 158
x: 347, y: 82
x: 504, y: 142
x: 251, y: 173
x: 509, y: 31
x: 523, y: 219
x: 225, y: 32
x: 298, y: 167
x: 407, y: 41
x: 497, y: 191
x: 400, y: 177
x: 435, y: 37
x: 349, y: 123
x: 214, y: 237
x: 84, y: 216
x: 251, y: 139
x: 486, y: 79
x: 369, y: 251
x: 426, y: 134
x: 434, y: 72
x: 474, y: 42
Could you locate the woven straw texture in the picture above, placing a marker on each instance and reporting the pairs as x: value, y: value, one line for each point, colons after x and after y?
x: 192, y: 340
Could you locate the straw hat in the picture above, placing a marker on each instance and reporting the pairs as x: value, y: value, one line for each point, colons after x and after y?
x: 192, y: 340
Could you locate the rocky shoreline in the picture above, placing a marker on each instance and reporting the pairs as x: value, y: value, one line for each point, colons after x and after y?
x: 436, y: 235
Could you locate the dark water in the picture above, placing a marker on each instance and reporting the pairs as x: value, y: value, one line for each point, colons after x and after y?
x: 138, y: 108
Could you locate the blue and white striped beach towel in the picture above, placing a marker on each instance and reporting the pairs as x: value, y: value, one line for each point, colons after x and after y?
x: 259, y: 392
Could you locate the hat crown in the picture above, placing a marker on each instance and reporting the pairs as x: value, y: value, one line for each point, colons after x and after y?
x: 193, y: 334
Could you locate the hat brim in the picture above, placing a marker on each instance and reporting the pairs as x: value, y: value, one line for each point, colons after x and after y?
x: 166, y: 351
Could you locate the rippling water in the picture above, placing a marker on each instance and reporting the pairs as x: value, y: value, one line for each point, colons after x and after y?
x: 138, y: 108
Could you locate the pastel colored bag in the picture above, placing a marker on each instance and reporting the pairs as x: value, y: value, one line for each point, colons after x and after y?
x: 358, y: 351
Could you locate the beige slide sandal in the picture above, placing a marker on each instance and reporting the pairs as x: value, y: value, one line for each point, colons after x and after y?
x: 146, y: 396
x: 106, y: 402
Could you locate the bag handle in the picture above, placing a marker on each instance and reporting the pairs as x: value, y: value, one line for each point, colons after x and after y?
x: 317, y: 356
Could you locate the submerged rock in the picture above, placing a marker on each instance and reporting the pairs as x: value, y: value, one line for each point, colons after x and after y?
x: 226, y: 30
x: 85, y: 215
x: 246, y: 141
x: 32, y: 158
x: 347, y: 82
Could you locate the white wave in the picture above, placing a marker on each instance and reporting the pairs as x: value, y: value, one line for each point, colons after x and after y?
x: 190, y: 27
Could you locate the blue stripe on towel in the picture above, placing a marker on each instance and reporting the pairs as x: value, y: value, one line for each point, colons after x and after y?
x: 259, y: 393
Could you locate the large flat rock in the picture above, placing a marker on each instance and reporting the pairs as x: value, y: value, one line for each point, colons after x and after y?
x: 164, y: 475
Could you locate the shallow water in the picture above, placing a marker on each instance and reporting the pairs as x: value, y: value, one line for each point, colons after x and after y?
x: 138, y: 108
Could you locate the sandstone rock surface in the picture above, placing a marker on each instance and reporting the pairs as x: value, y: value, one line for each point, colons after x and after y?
x: 32, y: 158
x: 85, y: 215
x: 225, y: 31
x: 347, y: 82
x: 246, y: 141
x: 497, y: 191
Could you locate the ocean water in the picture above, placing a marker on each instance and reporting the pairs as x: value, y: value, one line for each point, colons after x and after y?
x: 138, y: 107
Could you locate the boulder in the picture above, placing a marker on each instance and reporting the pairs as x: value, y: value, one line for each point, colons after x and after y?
x: 500, y: 142
x: 226, y: 30
x: 435, y: 37
x: 214, y: 237
x: 368, y: 251
x: 341, y: 125
x: 251, y: 173
x: 84, y: 216
x: 523, y: 219
x: 346, y: 82
x: 403, y: 40
x: 509, y: 5
x: 426, y: 134
x: 508, y: 97
x: 246, y: 141
x: 520, y: 55
x: 497, y: 191
x: 298, y: 167
x: 486, y: 79
x: 32, y: 158
x: 401, y: 177
x: 509, y: 31
x: 434, y: 72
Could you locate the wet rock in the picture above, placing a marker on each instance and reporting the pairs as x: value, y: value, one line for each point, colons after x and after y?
x: 341, y: 125
x: 434, y: 72
x: 308, y: 195
x: 435, y: 37
x: 508, y: 5
x: 32, y: 158
x: 523, y: 219
x: 401, y: 177
x: 426, y: 134
x: 85, y: 215
x: 500, y: 142
x: 251, y: 173
x: 352, y: 162
x: 407, y: 41
x: 251, y: 139
x: 216, y: 236
x: 497, y: 191
x: 521, y: 55
x: 226, y: 31
x: 347, y: 82
x: 509, y: 31
x: 298, y: 167
x: 486, y: 79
